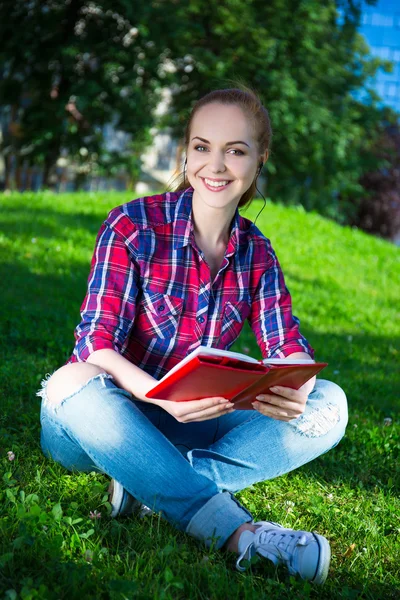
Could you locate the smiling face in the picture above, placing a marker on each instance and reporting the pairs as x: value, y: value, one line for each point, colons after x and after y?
x: 222, y: 155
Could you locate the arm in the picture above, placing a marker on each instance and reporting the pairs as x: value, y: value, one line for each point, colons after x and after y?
x: 285, y: 404
x: 108, y: 313
x: 138, y: 382
x: 109, y: 307
x: 277, y: 333
x: 271, y: 318
x: 308, y: 387
x: 127, y: 375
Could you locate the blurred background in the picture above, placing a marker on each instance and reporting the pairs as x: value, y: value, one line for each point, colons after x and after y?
x: 95, y: 96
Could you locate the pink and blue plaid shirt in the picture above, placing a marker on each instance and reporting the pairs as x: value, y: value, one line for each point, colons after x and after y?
x: 150, y: 295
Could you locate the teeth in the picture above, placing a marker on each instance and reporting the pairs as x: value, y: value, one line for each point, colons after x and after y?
x: 216, y: 183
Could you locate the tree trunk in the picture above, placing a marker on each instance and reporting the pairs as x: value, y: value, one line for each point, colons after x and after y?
x: 50, y: 161
x: 7, y: 173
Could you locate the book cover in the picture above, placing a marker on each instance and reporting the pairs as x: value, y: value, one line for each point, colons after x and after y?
x: 210, y: 372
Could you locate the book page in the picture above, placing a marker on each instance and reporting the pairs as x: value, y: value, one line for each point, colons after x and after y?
x: 288, y: 361
x: 206, y: 351
x: 210, y: 352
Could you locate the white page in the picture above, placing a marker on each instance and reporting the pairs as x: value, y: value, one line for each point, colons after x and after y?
x: 288, y: 361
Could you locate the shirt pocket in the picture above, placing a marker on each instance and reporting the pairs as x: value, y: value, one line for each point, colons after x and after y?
x: 234, y: 316
x: 159, y: 314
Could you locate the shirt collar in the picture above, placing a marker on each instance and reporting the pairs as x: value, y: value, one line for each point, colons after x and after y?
x: 183, y: 228
x: 183, y: 225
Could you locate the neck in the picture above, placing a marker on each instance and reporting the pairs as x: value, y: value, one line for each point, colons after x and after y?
x: 212, y: 224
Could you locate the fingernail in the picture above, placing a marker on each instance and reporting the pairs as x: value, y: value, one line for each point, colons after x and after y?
x: 260, y: 397
x: 275, y: 388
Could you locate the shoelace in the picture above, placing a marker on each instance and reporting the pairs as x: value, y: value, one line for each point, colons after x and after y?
x: 275, y: 546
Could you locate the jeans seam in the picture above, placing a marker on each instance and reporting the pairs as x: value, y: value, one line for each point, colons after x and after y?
x: 216, y: 433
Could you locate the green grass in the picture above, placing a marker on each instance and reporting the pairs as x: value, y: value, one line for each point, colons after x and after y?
x: 345, y: 288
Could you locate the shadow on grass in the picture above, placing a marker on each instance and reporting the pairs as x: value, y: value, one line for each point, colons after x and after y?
x: 50, y: 223
x: 39, y: 314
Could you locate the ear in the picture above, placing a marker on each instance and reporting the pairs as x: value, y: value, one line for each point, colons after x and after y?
x: 264, y: 157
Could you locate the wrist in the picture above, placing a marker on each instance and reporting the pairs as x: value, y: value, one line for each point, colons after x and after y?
x: 309, y: 385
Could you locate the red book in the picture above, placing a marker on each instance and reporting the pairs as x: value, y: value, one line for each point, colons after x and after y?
x: 207, y: 372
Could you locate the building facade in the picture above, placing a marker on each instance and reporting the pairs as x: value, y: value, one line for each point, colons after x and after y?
x: 380, y: 25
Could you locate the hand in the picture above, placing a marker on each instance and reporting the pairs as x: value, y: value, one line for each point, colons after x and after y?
x: 196, y: 410
x: 282, y: 403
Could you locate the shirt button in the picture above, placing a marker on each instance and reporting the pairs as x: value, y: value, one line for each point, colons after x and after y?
x: 161, y: 308
x: 200, y: 319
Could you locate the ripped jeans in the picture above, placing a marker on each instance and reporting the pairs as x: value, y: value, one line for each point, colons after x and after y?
x: 187, y: 471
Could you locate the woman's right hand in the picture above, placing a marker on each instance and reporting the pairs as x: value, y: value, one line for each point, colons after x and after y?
x: 196, y: 410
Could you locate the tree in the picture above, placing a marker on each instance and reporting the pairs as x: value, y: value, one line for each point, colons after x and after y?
x: 306, y: 63
x: 378, y: 210
x: 76, y: 65
x: 69, y: 67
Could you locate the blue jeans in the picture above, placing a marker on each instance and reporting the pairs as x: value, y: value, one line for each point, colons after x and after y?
x: 187, y: 471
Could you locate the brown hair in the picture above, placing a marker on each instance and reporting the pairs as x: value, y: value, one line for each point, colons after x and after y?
x: 248, y: 100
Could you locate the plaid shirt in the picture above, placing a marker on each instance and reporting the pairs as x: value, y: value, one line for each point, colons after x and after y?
x: 150, y: 297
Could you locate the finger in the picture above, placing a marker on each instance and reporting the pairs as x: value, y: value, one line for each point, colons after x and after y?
x: 180, y: 409
x: 286, y: 392
x: 274, y: 412
x: 280, y: 402
x: 211, y: 413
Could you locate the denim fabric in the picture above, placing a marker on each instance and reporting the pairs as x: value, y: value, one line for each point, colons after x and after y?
x: 186, y: 471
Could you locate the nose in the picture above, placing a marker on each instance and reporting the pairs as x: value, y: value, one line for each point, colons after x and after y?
x: 217, y: 162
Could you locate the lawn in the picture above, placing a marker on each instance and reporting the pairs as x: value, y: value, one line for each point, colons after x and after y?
x: 345, y: 287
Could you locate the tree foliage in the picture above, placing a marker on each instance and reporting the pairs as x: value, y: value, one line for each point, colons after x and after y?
x: 378, y: 210
x: 307, y: 64
x: 69, y: 67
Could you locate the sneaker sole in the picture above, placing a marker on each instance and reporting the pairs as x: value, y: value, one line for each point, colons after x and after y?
x: 117, y: 492
x: 324, y: 560
x: 118, y: 509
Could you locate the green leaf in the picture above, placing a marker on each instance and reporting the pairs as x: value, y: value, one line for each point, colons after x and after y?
x: 5, y: 558
x: 57, y: 512
x: 87, y: 534
x: 31, y: 498
x: 122, y: 586
x: 10, y: 495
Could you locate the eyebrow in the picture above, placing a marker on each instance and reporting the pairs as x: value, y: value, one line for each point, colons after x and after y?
x: 227, y: 143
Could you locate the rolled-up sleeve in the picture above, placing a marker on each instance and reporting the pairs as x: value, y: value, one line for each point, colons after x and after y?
x: 108, y: 309
x: 271, y: 319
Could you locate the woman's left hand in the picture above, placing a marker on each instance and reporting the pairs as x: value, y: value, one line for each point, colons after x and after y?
x: 282, y: 403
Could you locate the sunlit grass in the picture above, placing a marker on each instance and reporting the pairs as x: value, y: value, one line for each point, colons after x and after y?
x: 345, y: 287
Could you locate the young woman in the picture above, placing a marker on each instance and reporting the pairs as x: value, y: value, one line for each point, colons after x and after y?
x: 170, y: 272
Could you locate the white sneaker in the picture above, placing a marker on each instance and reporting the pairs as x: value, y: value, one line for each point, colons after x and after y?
x: 306, y: 554
x: 123, y: 503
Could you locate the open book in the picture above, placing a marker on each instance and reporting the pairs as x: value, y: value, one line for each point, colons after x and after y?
x: 207, y: 372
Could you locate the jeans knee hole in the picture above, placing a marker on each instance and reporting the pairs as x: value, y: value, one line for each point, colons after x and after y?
x: 55, y: 406
x: 318, y: 422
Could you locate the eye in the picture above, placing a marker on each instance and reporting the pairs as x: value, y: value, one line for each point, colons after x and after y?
x: 239, y: 152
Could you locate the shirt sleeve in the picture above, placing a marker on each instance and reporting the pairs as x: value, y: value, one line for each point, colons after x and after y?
x: 108, y: 309
x: 271, y: 319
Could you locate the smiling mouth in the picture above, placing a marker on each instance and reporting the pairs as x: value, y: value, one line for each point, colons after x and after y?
x: 216, y: 186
